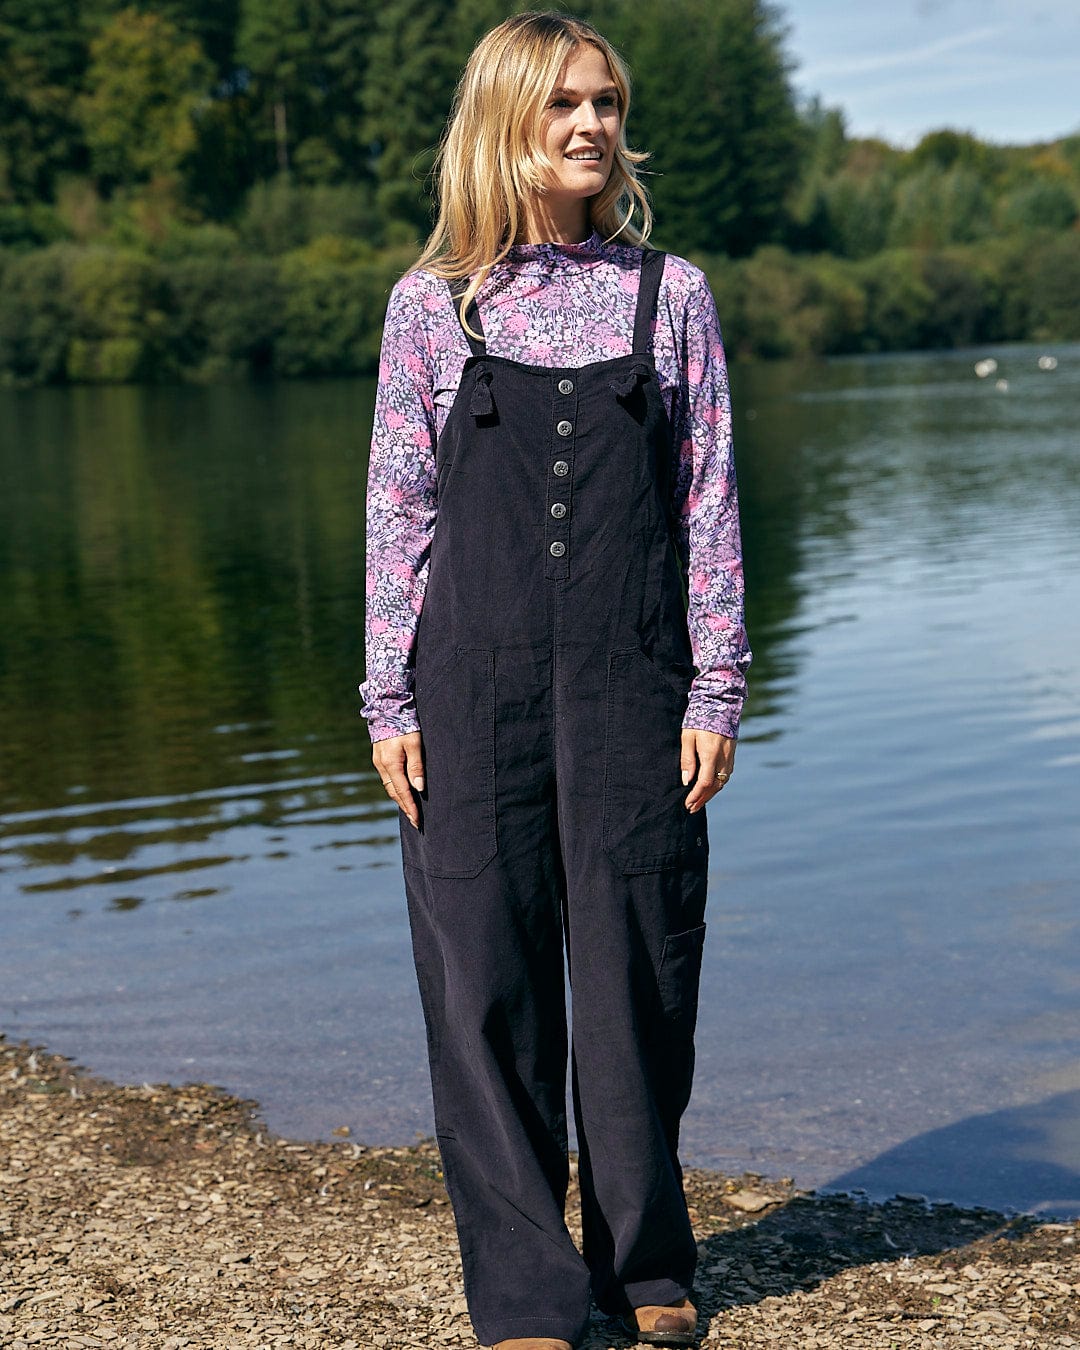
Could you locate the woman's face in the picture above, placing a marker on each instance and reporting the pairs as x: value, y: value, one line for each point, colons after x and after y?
x: 580, y: 127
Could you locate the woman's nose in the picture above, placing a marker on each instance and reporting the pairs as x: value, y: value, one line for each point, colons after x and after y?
x: 588, y: 119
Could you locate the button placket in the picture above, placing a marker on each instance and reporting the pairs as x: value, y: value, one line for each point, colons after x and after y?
x: 560, y: 475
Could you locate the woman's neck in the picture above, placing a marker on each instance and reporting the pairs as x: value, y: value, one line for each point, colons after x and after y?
x: 543, y: 225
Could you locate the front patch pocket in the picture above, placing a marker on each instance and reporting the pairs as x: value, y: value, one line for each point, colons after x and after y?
x: 455, y: 706
x: 646, y: 826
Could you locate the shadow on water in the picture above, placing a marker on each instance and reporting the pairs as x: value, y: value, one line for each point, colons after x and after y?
x: 1024, y: 1159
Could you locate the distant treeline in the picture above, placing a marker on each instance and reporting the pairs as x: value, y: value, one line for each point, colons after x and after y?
x: 204, y: 189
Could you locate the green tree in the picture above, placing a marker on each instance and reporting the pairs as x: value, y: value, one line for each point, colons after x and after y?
x: 145, y: 87
x: 473, y: 18
x: 713, y: 105
x: 962, y: 301
x: 899, y: 302
x: 948, y: 149
x: 211, y: 22
x: 798, y: 306
x: 411, y: 77
x: 858, y: 210
x: 824, y: 146
x: 341, y: 32
x: 1044, y: 202
x: 933, y: 208
x: 36, y: 318
x: 273, y: 46
x: 42, y: 54
x: 1052, y: 277
x: 303, y: 64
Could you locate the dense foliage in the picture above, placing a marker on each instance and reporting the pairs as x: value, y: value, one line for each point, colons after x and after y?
x: 208, y: 188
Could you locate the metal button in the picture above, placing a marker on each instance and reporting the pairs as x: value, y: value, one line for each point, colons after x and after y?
x: 564, y: 428
x: 557, y: 549
x: 558, y: 510
x: 561, y: 467
x: 566, y: 386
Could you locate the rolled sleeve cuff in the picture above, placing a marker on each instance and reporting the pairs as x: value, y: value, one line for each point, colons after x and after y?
x: 381, y: 730
x: 718, y: 715
x: 388, y: 713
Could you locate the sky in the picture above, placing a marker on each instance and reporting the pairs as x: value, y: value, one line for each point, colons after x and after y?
x: 1006, y: 70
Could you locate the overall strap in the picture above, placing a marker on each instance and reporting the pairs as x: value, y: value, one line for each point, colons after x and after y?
x: 458, y: 287
x: 652, y: 269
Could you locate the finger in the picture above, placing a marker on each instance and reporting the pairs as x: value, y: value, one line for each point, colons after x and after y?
x: 723, y: 767
x: 688, y: 757
x: 402, y: 793
x: 414, y: 766
x: 705, y: 784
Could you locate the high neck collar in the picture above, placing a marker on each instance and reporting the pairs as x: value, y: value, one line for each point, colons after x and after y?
x: 585, y: 251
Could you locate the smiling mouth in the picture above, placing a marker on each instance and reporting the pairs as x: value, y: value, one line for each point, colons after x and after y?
x: 586, y: 157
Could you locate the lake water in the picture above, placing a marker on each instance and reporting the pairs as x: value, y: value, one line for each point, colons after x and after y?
x: 200, y: 876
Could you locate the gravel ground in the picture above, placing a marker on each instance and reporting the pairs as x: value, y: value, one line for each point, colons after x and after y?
x: 160, y: 1217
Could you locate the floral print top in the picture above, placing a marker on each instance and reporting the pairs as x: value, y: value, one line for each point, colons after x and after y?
x: 553, y: 305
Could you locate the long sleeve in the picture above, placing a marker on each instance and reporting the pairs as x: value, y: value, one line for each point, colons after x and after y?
x: 706, y: 509
x: 401, y: 511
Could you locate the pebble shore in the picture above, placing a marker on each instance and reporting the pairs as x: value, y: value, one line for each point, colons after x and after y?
x: 168, y: 1218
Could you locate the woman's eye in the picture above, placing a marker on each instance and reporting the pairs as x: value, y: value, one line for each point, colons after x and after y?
x: 604, y: 101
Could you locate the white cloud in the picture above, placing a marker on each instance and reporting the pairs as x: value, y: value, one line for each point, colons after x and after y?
x: 858, y: 65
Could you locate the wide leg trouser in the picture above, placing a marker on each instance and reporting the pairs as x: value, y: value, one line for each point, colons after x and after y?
x: 489, y: 958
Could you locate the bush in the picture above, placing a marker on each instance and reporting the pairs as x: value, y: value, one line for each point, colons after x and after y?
x: 898, y: 301
x: 27, y: 227
x: 1046, y: 203
x: 280, y: 216
x: 932, y: 209
x: 183, y: 242
x: 224, y: 317
x: 118, y: 315
x: 798, y: 306
x: 332, y: 314
x: 107, y: 314
x: 1052, y: 277
x: 36, y: 317
x: 724, y: 276
x: 858, y: 209
x: 962, y: 299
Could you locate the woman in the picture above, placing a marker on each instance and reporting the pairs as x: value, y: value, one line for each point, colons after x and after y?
x: 553, y: 544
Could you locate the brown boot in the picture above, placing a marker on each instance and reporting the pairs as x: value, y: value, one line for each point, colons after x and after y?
x: 664, y: 1324
x: 532, y: 1343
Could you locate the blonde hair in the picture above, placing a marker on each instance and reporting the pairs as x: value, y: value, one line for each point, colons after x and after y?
x: 490, y: 158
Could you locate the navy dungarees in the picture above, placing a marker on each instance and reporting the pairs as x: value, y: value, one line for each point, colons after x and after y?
x: 552, y: 671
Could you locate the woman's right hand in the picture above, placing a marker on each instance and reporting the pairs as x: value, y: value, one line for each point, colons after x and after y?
x: 400, y: 761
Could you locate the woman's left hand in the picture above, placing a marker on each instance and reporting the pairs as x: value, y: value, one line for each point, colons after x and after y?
x: 708, y: 760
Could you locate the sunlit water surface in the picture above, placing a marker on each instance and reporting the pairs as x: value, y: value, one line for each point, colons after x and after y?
x: 200, y: 878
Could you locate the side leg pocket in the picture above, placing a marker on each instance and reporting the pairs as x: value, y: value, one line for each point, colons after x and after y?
x: 679, y: 976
